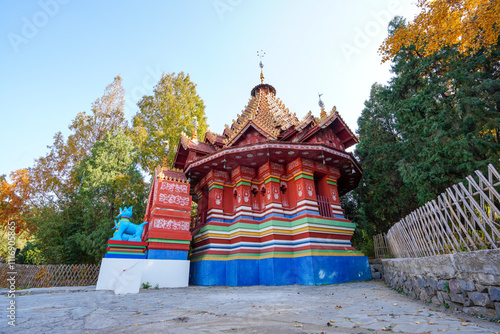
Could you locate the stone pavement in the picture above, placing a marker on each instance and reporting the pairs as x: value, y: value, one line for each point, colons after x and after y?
x: 361, y: 307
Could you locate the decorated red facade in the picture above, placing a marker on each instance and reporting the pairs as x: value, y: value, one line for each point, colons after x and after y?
x: 168, y: 213
x: 268, y: 193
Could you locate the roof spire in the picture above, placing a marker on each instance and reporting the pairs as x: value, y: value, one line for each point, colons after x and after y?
x: 322, y: 106
x: 261, y: 55
x: 195, y: 132
x: 166, y: 151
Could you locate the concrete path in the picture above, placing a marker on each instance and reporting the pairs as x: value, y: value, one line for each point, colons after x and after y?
x: 366, y: 307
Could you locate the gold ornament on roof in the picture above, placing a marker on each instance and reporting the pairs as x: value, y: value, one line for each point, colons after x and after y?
x: 261, y: 55
x: 195, y: 131
x: 322, y: 106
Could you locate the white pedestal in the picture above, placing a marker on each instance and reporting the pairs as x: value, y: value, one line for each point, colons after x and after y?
x: 166, y: 273
x: 126, y: 275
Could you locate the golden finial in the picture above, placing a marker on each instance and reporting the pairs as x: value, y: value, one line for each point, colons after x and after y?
x: 166, y: 151
x: 261, y: 55
x: 322, y: 106
x: 195, y: 131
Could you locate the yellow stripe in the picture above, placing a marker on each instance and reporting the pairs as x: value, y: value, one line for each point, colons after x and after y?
x: 218, y: 183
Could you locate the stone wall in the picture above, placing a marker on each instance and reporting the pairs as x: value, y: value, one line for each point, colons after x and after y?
x: 468, y: 282
x: 376, y: 268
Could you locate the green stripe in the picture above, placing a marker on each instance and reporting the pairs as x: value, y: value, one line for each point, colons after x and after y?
x: 331, y: 182
x: 124, y: 246
x: 279, y: 253
x: 135, y: 253
x: 304, y: 175
x: 278, y: 223
x: 170, y: 241
x: 243, y: 182
x: 215, y: 186
x: 272, y: 179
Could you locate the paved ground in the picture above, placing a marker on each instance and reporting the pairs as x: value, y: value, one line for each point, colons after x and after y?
x: 367, y: 307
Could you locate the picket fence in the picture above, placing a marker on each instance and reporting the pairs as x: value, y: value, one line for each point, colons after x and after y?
x: 466, y: 217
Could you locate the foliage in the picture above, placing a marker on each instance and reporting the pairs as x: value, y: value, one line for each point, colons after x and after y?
x: 76, y: 230
x: 20, y: 242
x: 69, y: 199
x: 362, y: 239
x: 146, y: 285
x: 467, y: 25
x: 54, y: 173
x: 434, y: 123
x: 54, y: 235
x: 30, y: 254
x: 383, y: 196
x: 14, y: 198
x: 164, y: 115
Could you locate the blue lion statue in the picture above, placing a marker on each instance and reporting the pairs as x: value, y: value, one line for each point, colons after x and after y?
x: 125, y: 229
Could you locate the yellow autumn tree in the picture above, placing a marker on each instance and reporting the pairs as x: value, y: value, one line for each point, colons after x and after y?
x: 14, y: 198
x: 469, y: 25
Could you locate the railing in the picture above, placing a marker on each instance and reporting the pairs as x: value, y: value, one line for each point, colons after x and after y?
x: 466, y: 217
x: 325, y: 209
x: 43, y: 276
x: 382, y: 249
x: 198, y: 221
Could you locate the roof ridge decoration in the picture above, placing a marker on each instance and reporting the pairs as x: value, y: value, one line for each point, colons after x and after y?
x: 264, y: 111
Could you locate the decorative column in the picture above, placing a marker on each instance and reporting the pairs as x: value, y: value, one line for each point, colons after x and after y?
x: 170, y: 216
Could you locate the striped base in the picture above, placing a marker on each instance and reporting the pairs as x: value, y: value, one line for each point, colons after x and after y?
x: 303, y: 270
x: 118, y: 249
x: 276, y: 247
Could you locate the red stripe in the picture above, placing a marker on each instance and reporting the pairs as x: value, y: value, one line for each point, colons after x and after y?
x: 125, y: 243
x: 161, y: 245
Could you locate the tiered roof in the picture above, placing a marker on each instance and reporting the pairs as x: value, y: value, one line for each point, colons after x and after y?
x: 271, y: 118
x: 265, y: 112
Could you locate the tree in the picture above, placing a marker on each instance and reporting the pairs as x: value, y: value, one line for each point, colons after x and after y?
x: 14, y: 198
x: 382, y: 194
x: 164, y: 115
x: 446, y: 106
x: 467, y: 25
x: 54, y: 173
x: 77, y: 229
x: 434, y: 123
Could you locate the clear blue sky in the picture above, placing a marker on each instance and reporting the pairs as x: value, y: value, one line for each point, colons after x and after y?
x: 57, y: 56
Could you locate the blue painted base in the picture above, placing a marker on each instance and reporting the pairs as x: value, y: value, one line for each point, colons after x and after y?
x: 307, y: 270
x: 124, y: 256
x: 165, y: 254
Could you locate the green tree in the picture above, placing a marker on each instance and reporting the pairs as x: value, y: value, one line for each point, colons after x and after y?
x: 446, y: 107
x: 54, y: 173
x: 164, y: 115
x: 77, y: 229
x: 434, y: 123
x: 382, y: 194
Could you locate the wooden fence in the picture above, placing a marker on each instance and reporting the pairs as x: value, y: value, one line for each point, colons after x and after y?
x: 43, y: 276
x: 466, y: 217
x: 381, y: 246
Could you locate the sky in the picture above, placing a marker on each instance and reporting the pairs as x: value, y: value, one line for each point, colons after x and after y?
x: 57, y: 57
